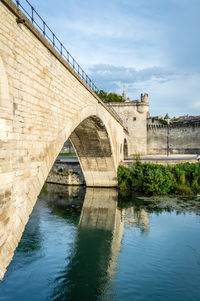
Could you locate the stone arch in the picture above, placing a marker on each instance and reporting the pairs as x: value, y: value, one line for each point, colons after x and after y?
x: 125, y: 148
x: 96, y: 177
x: 93, y: 147
x: 93, y: 141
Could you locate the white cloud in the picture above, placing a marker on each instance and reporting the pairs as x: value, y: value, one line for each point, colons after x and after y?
x: 196, y: 105
x: 177, y: 96
x: 169, y: 90
x: 110, y: 76
x: 148, y: 46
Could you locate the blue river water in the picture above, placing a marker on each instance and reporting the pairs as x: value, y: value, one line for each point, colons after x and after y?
x: 89, y: 245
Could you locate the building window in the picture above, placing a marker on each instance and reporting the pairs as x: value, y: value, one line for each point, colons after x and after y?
x: 134, y: 118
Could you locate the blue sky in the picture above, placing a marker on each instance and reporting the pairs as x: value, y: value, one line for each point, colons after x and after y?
x: 148, y: 46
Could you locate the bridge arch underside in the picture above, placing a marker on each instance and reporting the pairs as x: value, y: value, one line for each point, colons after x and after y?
x: 92, y: 144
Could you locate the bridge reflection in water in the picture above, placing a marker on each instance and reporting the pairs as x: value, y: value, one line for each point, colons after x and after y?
x: 93, y: 261
x: 104, y: 249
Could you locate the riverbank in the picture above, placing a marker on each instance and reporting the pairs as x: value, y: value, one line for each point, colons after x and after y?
x: 66, y: 173
x: 75, y: 196
x: 155, y: 179
x: 146, y: 178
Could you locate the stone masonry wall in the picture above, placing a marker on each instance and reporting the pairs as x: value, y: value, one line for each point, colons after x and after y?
x: 181, y: 139
x: 66, y: 173
x: 134, y: 116
x: 67, y: 148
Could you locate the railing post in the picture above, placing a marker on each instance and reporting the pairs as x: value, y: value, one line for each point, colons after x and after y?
x: 44, y: 24
x: 17, y: 3
x: 53, y: 39
x: 32, y: 12
x: 61, y: 48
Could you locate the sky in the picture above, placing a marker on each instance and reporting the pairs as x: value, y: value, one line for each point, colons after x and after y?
x: 148, y: 46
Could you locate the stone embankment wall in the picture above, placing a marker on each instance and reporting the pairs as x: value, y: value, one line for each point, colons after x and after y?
x: 178, y: 139
x: 66, y: 174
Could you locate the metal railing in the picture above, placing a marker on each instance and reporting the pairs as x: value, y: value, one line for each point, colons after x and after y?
x: 45, y: 30
x: 41, y: 25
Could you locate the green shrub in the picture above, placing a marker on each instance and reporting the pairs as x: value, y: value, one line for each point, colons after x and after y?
x: 153, y: 179
x: 163, y: 121
x: 124, y: 177
x: 137, y: 158
x: 157, y: 180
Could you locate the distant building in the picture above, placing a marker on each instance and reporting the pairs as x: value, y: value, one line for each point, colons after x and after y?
x: 134, y: 115
x: 154, y: 134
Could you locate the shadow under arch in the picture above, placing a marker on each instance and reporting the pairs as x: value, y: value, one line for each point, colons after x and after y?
x: 125, y: 148
x: 92, y: 144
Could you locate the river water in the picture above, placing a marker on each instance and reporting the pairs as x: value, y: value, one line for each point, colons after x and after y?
x: 85, y: 245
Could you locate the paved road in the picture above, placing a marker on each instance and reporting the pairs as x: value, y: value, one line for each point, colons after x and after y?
x: 163, y: 159
x: 143, y: 158
x: 67, y: 159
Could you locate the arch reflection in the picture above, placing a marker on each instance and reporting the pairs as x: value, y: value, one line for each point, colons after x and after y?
x: 93, y: 260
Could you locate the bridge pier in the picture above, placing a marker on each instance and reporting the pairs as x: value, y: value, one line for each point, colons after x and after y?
x: 92, y: 144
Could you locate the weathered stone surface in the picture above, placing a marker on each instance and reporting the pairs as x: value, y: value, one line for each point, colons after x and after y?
x: 67, y: 147
x: 66, y: 174
x: 134, y: 116
x: 181, y: 139
x: 42, y: 103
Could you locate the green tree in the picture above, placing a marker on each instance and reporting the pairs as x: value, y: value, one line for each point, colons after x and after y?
x: 109, y: 97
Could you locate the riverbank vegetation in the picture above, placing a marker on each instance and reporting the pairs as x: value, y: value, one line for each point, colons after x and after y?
x: 67, y: 155
x: 154, y: 179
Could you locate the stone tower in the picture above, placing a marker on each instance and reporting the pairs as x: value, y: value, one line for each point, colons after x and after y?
x: 145, y: 98
x: 124, y: 93
x: 167, y: 118
x: 134, y: 115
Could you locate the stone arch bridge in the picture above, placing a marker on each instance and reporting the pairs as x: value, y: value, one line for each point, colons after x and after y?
x: 43, y: 102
